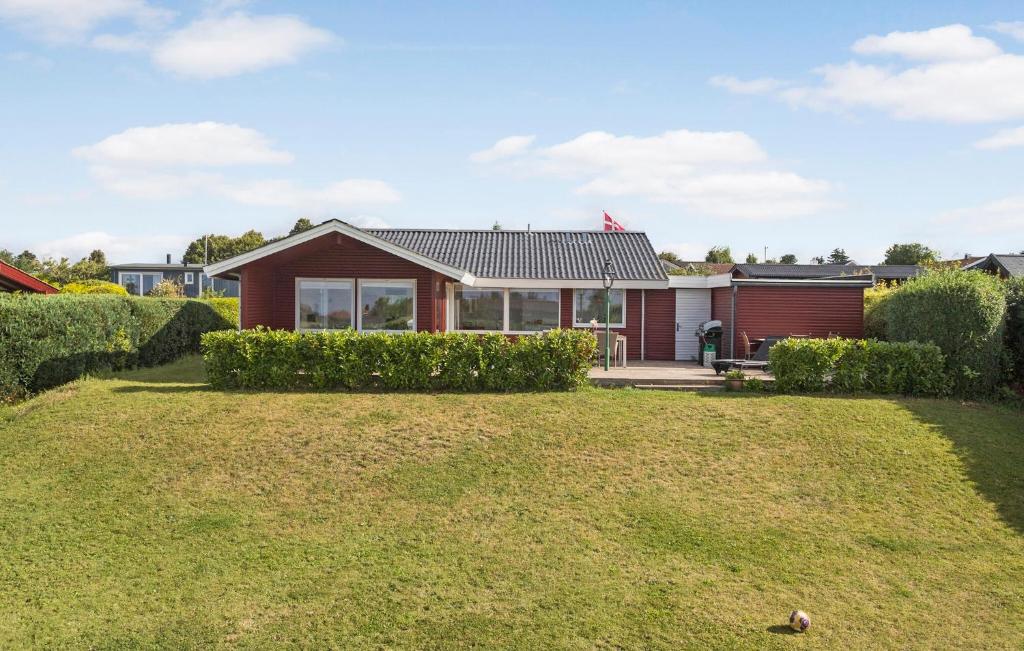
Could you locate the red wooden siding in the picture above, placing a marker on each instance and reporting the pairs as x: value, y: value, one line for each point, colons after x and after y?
x: 660, y: 331
x: 633, y: 312
x: 816, y: 311
x: 268, y: 284
x: 721, y: 310
x: 13, y: 279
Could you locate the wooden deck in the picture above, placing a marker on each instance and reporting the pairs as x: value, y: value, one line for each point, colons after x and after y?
x: 650, y: 375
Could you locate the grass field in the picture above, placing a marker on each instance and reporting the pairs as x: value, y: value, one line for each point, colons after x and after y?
x: 147, y: 511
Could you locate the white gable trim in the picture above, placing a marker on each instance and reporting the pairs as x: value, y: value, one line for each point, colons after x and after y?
x: 336, y: 226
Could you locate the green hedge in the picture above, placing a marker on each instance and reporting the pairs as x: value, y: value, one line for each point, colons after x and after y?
x: 1014, y: 336
x: 857, y: 365
x: 420, y: 361
x: 962, y: 312
x: 46, y: 341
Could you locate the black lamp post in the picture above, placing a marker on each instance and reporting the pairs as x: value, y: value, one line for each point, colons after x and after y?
x: 607, y: 280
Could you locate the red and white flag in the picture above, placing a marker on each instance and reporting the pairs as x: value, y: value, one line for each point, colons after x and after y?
x: 612, y: 225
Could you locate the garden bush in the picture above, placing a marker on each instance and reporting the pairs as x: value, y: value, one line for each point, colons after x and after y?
x: 858, y: 365
x: 92, y: 286
x: 46, y: 341
x: 1014, y: 336
x: 412, y: 361
x: 961, y: 312
x: 876, y: 300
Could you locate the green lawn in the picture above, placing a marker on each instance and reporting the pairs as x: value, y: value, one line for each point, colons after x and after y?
x: 149, y: 511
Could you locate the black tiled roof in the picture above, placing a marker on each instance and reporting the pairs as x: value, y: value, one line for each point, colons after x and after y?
x: 1014, y: 264
x: 795, y: 271
x: 559, y: 255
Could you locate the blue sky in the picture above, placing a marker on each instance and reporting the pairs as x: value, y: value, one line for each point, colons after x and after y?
x: 135, y: 125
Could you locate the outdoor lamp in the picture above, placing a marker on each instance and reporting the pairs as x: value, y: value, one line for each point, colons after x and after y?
x: 607, y: 280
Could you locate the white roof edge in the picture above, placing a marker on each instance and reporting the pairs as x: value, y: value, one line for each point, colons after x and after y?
x: 700, y: 282
x: 334, y: 226
x: 978, y: 261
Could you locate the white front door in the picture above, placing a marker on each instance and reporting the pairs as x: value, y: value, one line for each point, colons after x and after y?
x: 693, y: 307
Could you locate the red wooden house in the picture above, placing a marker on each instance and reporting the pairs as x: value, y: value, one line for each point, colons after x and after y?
x: 337, y: 276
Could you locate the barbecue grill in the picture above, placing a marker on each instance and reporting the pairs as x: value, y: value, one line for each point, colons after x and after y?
x: 709, y: 332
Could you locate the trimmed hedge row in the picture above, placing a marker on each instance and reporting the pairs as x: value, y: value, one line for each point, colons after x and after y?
x: 46, y: 341
x: 1014, y: 335
x: 414, y: 361
x: 857, y: 365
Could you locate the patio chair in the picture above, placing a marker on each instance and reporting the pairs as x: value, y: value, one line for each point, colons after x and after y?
x: 759, y: 360
x: 616, y: 347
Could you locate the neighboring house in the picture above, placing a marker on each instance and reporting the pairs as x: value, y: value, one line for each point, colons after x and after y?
x: 13, y: 279
x: 337, y: 276
x: 1004, y: 265
x: 696, y: 266
x: 882, y: 272
x: 139, y: 278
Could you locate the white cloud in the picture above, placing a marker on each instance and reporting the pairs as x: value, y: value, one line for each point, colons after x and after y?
x: 954, y: 77
x: 504, y: 148
x: 118, y: 248
x: 70, y: 20
x: 1002, y: 216
x: 173, y: 161
x: 1014, y: 29
x: 27, y: 58
x: 748, y: 87
x: 135, y: 42
x: 952, y: 42
x: 222, y: 46
x: 1003, y: 139
x: 201, y: 144
x: 725, y: 174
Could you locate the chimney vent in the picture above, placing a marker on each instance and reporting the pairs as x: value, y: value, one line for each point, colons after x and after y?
x: 168, y: 258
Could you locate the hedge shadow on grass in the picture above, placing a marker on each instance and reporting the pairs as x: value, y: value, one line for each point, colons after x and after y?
x: 991, y: 450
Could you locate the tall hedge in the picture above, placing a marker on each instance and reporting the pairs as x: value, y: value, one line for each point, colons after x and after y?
x: 412, y: 361
x: 46, y: 341
x: 1014, y: 336
x: 962, y: 313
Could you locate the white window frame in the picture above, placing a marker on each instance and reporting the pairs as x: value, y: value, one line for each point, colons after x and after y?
x: 576, y: 322
x: 190, y: 278
x: 352, y: 302
x: 402, y: 282
x: 159, y: 278
x: 506, y: 303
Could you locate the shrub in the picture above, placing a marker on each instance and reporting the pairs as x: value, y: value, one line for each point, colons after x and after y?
x: 1014, y: 336
x: 856, y: 365
x: 412, y: 361
x: 167, y: 288
x: 876, y: 300
x: 962, y: 313
x: 93, y: 286
x: 46, y: 341
x: 226, y: 308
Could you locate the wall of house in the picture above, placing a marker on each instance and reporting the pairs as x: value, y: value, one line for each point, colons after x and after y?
x: 660, y: 331
x: 268, y: 284
x: 763, y: 311
x: 721, y: 310
x: 634, y: 303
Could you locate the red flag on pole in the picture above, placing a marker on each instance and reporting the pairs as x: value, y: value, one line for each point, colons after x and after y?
x: 612, y: 225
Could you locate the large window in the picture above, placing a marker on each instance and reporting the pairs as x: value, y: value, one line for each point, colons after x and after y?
x: 138, y: 283
x: 323, y: 304
x: 388, y: 305
x: 505, y: 310
x: 479, y: 309
x: 532, y: 310
x: 590, y: 306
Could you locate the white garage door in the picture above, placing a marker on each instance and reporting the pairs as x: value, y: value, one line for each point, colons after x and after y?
x: 693, y: 307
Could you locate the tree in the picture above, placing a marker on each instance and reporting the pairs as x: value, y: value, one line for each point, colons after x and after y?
x: 302, y: 224
x: 838, y: 256
x: 817, y: 260
x: 668, y: 256
x: 496, y: 226
x: 789, y: 258
x: 720, y: 254
x: 910, y: 253
x: 222, y: 247
x: 751, y: 258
